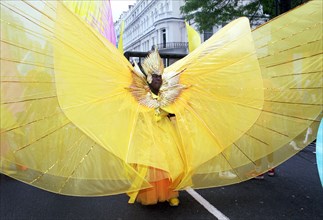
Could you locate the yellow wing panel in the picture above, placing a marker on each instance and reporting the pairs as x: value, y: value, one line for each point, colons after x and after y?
x: 224, y: 96
x: 39, y: 144
x: 289, y: 51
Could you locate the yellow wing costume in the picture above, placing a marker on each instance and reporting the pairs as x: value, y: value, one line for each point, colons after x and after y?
x: 85, y: 121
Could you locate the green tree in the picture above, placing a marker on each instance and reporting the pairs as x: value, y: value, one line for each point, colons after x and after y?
x: 207, y: 13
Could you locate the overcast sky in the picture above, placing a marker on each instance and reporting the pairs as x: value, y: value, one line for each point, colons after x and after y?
x: 118, y: 6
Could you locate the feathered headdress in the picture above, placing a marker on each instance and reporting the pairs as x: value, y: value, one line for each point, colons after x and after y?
x: 153, y: 64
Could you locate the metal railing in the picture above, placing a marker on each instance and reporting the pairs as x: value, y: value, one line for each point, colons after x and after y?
x: 169, y: 58
x: 172, y: 45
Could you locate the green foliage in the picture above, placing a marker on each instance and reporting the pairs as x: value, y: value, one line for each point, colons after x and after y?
x: 207, y: 13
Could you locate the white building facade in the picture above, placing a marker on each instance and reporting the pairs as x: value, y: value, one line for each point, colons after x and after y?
x: 154, y: 22
x: 159, y: 23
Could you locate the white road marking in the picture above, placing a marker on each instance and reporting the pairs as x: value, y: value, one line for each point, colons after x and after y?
x: 214, y: 211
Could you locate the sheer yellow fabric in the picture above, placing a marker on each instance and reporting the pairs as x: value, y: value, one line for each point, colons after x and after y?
x: 217, y: 109
x: 98, y: 14
x: 193, y: 38
x: 289, y: 51
x: 252, y: 99
x: 34, y: 130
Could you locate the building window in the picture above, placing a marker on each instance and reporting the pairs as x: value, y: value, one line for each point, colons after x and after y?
x: 141, y: 26
x: 163, y: 38
x: 152, y: 17
x: 161, y: 8
x: 207, y: 34
x: 153, y: 41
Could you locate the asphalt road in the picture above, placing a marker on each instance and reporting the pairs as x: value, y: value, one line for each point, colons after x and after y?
x: 294, y: 193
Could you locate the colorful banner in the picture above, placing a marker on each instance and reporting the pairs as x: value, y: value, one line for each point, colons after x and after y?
x: 98, y: 14
x: 319, y: 151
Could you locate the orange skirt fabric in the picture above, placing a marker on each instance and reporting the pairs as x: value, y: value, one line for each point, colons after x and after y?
x: 160, y: 192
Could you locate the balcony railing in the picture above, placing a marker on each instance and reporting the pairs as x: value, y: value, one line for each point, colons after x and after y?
x: 173, y: 45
